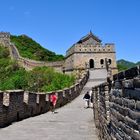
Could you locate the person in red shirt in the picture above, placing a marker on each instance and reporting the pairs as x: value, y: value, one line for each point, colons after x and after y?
x: 53, y: 100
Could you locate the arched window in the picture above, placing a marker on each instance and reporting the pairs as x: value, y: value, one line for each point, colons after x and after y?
x: 102, y: 61
x: 109, y: 61
x: 91, y: 63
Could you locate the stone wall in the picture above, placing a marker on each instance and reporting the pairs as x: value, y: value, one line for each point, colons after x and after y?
x: 28, y: 64
x: 117, y: 106
x: 4, y: 38
x: 79, y: 56
x: 16, y: 105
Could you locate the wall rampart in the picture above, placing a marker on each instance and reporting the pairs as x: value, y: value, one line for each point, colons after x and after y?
x: 117, y: 106
x: 16, y: 105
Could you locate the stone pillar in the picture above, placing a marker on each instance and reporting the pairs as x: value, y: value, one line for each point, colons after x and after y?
x: 32, y: 102
x: 1, y: 109
x: 41, y: 103
x: 96, y: 105
x: 93, y: 95
x: 1, y: 101
x: 15, y: 105
x: 106, y: 90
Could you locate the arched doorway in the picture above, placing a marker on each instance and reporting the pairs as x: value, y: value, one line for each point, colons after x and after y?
x: 91, y: 63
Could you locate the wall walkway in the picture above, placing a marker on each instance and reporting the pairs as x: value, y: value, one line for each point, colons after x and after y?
x: 72, y: 122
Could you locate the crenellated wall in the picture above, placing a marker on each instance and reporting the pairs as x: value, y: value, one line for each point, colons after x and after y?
x: 4, y: 38
x: 16, y: 105
x: 117, y: 106
x: 80, y: 55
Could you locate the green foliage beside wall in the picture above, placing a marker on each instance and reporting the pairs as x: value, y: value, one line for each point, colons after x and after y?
x: 124, y: 64
x: 29, y: 48
x: 121, y: 67
x: 46, y: 79
x: 39, y: 79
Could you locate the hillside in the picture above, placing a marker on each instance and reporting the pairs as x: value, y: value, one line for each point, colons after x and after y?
x: 138, y: 63
x: 39, y: 79
x: 10, y: 72
x: 29, y: 48
x: 124, y: 64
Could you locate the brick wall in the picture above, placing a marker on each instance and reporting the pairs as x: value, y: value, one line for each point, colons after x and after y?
x: 117, y: 107
x: 16, y: 105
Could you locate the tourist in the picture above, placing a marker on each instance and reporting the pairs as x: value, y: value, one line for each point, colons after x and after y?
x: 53, y: 100
x: 87, y: 100
x: 91, y: 98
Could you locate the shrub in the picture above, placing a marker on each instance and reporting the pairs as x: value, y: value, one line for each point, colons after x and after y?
x: 39, y: 79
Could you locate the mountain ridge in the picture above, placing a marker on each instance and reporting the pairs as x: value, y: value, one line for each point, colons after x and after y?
x: 125, y: 64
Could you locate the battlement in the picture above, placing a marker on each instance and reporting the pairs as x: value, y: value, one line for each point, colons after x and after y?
x: 4, y: 35
x: 117, y: 106
x: 16, y: 105
x: 5, y: 38
x: 99, y: 48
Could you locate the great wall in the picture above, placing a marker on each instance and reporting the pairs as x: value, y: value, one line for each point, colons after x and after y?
x: 117, y: 106
x: 116, y: 102
x: 28, y: 64
x: 16, y: 105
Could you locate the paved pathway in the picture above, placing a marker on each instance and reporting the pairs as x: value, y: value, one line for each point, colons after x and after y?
x: 72, y: 122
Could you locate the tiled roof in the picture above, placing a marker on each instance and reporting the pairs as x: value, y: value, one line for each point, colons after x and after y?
x: 90, y: 34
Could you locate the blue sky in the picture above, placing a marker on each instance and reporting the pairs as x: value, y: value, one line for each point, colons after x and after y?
x: 57, y: 24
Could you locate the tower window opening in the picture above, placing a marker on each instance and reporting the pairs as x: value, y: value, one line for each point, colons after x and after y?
x: 102, y: 61
x: 109, y: 61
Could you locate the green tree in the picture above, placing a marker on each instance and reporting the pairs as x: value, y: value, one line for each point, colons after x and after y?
x: 39, y: 79
x: 121, y: 67
x: 31, y: 49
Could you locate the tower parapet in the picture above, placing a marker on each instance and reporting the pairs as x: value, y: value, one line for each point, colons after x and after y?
x: 98, y: 48
x: 4, y: 38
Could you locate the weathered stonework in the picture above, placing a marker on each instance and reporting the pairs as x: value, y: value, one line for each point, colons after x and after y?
x: 4, y: 38
x: 117, y: 111
x: 90, y: 53
x: 19, y: 104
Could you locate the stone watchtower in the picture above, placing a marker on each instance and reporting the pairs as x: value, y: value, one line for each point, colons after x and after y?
x: 4, y: 38
x: 89, y: 53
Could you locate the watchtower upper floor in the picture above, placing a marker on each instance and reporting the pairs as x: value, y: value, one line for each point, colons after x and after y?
x: 90, y: 44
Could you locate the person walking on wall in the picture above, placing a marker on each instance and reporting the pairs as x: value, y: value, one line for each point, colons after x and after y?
x: 91, y: 98
x: 87, y: 99
x: 53, y: 100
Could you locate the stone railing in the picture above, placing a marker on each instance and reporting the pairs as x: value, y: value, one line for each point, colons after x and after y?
x: 117, y: 106
x: 16, y: 105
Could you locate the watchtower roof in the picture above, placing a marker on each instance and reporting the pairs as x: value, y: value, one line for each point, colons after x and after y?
x: 88, y: 36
